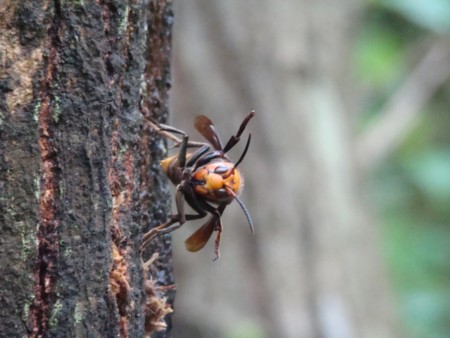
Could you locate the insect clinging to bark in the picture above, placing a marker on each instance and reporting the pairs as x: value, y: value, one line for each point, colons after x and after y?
x: 206, y: 179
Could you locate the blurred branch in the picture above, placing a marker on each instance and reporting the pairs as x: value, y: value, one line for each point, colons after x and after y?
x: 388, y: 130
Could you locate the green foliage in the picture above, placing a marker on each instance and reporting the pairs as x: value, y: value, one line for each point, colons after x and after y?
x: 412, y: 188
x: 382, y: 55
x: 379, y: 56
x: 246, y: 330
x: 412, y: 191
x: 430, y: 14
x: 429, y: 172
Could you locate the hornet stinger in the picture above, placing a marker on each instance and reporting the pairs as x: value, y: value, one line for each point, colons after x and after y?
x: 207, y: 179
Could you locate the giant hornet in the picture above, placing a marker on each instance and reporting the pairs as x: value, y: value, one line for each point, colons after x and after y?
x: 206, y: 179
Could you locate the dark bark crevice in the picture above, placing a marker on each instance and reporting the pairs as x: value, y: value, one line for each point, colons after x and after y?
x: 49, y: 204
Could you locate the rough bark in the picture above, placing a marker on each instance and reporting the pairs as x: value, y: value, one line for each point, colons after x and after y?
x: 79, y: 172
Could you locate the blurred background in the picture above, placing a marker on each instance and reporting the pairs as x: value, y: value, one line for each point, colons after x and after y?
x: 347, y: 176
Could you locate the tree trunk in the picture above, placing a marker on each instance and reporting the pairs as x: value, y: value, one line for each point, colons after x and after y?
x: 314, y: 268
x: 79, y: 168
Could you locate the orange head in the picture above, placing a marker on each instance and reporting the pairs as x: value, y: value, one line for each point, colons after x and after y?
x: 217, y: 181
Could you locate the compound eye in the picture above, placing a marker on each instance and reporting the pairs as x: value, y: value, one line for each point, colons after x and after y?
x: 199, y: 182
x: 221, y: 193
x: 221, y: 169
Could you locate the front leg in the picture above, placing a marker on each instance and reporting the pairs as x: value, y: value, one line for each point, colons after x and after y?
x: 176, y: 221
x: 217, y: 240
x: 165, y: 228
x: 219, y: 230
